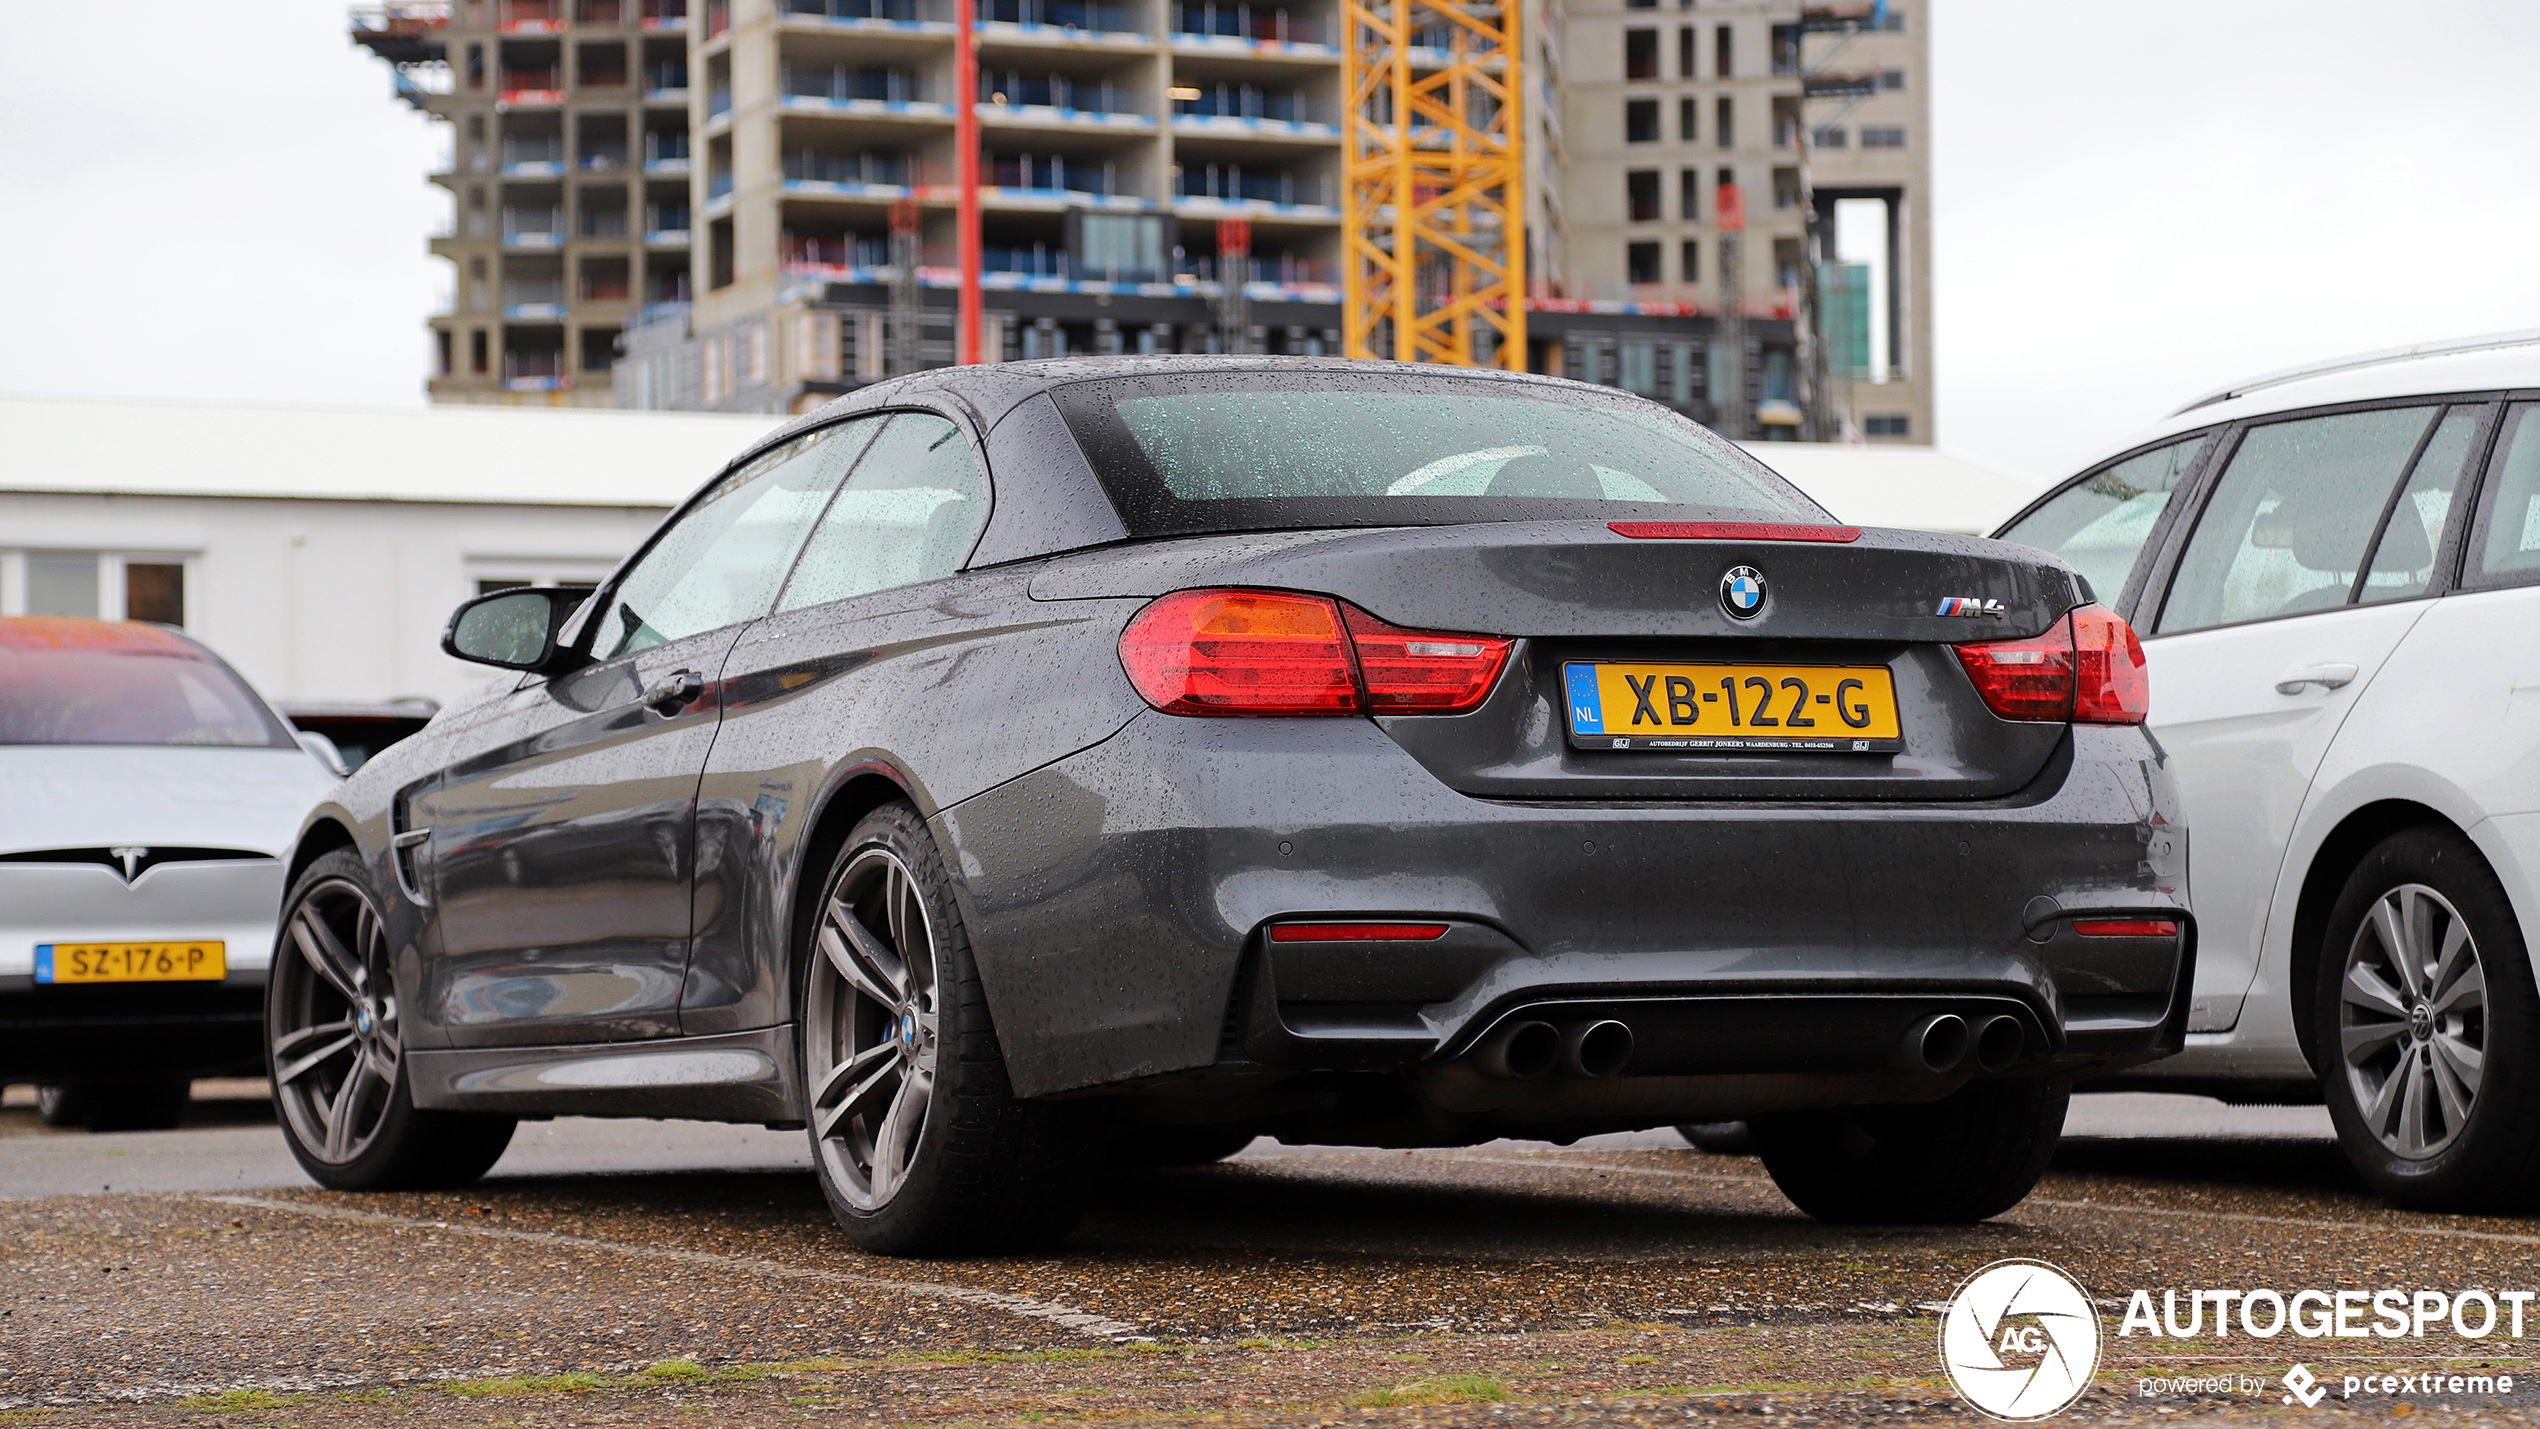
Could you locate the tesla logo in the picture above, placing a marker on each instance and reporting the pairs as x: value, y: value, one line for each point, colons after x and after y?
x: 130, y: 857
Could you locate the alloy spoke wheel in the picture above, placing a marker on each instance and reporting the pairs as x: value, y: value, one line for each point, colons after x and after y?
x: 872, y: 1028
x: 334, y: 1023
x: 2412, y: 1021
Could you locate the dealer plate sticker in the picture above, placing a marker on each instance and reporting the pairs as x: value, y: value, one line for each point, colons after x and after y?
x: 1708, y: 706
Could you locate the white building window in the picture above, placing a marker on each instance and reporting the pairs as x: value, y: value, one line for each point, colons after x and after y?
x: 99, y: 585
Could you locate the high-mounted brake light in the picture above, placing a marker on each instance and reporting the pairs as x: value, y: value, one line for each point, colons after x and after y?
x: 2087, y: 667
x: 1356, y: 932
x: 2125, y: 927
x: 1730, y: 531
x: 1273, y: 652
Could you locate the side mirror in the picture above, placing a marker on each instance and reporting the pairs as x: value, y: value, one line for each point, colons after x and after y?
x: 325, y: 750
x: 514, y: 629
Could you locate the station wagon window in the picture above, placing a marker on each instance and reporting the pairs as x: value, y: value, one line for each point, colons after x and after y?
x: 2287, y: 526
x: 721, y: 563
x: 910, y: 513
x: 2099, y: 523
x: 2403, y: 557
x: 2506, y: 550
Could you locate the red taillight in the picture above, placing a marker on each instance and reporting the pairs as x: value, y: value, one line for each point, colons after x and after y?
x: 2125, y: 927
x: 2110, y: 685
x: 2025, y: 679
x: 1422, y: 671
x: 1356, y: 932
x: 1268, y: 652
x: 2086, y: 667
x: 1222, y: 652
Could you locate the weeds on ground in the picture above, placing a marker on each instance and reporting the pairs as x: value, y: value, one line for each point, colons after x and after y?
x: 571, y: 1382
x: 240, y: 1399
x: 1445, y: 1389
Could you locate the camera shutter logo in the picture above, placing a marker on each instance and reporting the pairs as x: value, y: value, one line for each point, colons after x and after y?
x: 2020, y: 1340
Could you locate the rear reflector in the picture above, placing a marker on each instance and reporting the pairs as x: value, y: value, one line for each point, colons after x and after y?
x: 1356, y: 932
x: 2125, y: 927
x: 2087, y: 667
x: 1270, y: 652
x: 1729, y: 531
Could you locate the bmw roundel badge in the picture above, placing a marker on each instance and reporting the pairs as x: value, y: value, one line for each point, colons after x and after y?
x: 1742, y: 592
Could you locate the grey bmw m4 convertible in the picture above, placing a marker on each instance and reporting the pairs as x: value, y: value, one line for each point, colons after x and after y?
x: 1005, y: 771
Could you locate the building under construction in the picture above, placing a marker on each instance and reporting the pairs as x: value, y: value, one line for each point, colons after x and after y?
x: 754, y: 206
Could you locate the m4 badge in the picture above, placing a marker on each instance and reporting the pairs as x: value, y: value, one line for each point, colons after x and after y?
x: 1970, y: 606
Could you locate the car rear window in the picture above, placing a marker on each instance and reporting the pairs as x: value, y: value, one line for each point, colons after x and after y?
x: 1249, y: 451
x: 70, y: 681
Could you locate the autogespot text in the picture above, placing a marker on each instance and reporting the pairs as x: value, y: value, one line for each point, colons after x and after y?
x: 2328, y: 1314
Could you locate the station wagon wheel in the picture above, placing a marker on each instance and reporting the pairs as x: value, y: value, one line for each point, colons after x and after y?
x: 335, y: 1048
x: 2425, y: 1024
x: 2412, y: 1021
x: 874, y: 1030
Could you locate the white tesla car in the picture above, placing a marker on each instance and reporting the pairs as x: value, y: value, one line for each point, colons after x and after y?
x: 2336, y: 573
x: 147, y: 798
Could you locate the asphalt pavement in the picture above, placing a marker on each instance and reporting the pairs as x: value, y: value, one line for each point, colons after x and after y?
x: 659, y: 1272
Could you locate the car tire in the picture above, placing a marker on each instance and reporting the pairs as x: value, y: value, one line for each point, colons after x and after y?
x: 334, y: 1047
x: 2434, y: 1085
x: 151, y: 1104
x: 65, y: 1105
x: 918, y: 1140
x: 1720, y: 1138
x: 1140, y: 1146
x: 1972, y: 1154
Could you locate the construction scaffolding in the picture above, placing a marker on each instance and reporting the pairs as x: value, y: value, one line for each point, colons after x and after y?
x: 1433, y: 221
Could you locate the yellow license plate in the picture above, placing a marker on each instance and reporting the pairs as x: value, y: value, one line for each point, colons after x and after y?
x: 131, y: 962
x: 1715, y: 706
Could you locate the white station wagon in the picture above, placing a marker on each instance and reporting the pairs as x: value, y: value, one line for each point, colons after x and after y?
x: 2336, y: 574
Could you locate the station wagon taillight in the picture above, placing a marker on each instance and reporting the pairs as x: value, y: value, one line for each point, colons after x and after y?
x: 1271, y: 652
x: 2087, y: 667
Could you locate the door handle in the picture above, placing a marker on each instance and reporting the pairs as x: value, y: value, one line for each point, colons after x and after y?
x: 2327, y: 677
x: 674, y: 692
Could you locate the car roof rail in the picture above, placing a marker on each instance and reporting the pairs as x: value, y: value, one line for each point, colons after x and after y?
x: 2440, y: 347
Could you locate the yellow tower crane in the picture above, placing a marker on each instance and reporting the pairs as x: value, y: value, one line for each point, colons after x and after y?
x: 1434, y: 224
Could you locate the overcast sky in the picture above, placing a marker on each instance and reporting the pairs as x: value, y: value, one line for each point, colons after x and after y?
x: 2136, y: 202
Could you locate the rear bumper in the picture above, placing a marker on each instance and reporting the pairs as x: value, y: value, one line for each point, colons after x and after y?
x: 1116, y: 901
x: 137, y: 1029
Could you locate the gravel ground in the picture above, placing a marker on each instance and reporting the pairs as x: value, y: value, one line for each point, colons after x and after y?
x: 1618, y: 1283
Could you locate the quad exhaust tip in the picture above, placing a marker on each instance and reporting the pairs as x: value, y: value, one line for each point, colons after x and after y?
x: 1519, y: 1052
x: 1944, y: 1042
x: 1524, y: 1051
x: 1595, y: 1049
x: 1938, y: 1043
x: 2000, y: 1043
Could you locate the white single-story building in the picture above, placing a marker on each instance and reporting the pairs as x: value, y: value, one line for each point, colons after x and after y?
x: 320, y: 549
